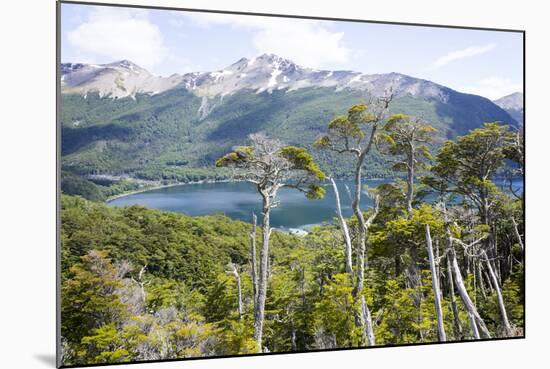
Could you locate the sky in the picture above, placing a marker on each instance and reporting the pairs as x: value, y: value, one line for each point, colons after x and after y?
x: 486, y: 63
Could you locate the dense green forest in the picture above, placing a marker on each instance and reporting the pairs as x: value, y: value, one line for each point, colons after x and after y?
x: 141, y: 284
x: 176, y: 136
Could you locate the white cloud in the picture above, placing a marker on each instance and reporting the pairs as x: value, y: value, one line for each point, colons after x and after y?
x: 120, y: 34
x: 494, y: 87
x: 462, y: 54
x: 307, y: 42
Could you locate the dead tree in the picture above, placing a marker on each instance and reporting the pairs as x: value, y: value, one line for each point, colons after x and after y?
x: 141, y: 283
x: 254, y: 259
x: 435, y: 286
x: 473, y: 250
x: 517, y: 234
x: 457, y: 326
x: 239, y: 293
x: 500, y: 300
x: 476, y: 322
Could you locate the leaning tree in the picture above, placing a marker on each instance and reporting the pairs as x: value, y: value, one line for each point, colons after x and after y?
x: 270, y: 165
x: 354, y: 134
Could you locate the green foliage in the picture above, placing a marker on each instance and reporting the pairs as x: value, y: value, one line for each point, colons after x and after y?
x: 88, y: 296
x: 466, y: 166
x: 336, y: 313
x: 75, y: 185
x: 171, y: 245
x: 190, y: 305
x: 302, y: 160
x: 184, y: 304
x: 164, y: 137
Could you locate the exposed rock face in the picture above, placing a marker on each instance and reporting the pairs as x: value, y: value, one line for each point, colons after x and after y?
x: 266, y: 72
x: 513, y: 104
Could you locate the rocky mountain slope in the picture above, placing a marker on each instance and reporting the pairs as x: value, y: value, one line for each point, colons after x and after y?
x: 513, y: 105
x: 119, y: 118
x: 266, y: 72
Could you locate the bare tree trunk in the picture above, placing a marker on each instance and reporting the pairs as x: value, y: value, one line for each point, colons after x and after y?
x: 363, y: 225
x: 361, y: 233
x: 481, y: 282
x: 475, y: 331
x: 239, y: 293
x: 368, y: 329
x: 435, y: 285
x: 344, y: 227
x: 516, y: 232
x: 500, y: 299
x: 414, y: 276
x: 489, y: 282
x: 410, y: 180
x: 463, y: 292
x: 141, y: 283
x: 253, y: 259
x: 259, y: 308
x: 468, y: 304
x: 456, y: 317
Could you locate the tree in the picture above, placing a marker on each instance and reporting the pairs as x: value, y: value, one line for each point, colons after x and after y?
x: 344, y: 228
x: 466, y: 167
x: 355, y: 135
x: 435, y: 286
x: 270, y: 166
x: 406, y: 137
x: 477, y: 323
x: 515, y: 152
x: 89, y: 297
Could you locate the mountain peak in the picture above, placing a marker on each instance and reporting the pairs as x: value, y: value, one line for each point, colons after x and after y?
x: 513, y: 105
x: 512, y: 101
x: 264, y: 73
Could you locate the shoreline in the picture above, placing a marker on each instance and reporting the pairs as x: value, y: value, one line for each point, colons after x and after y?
x: 158, y: 187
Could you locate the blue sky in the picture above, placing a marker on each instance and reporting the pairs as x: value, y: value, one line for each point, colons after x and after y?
x: 486, y: 63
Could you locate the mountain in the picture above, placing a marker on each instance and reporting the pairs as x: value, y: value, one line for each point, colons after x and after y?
x: 513, y: 105
x: 118, y: 118
x: 266, y: 72
x: 116, y: 80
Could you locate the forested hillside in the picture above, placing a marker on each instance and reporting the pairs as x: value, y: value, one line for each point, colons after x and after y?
x: 166, y: 136
x: 141, y: 284
x: 113, y: 125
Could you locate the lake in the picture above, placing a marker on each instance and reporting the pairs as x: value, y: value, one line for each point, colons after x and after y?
x: 239, y: 200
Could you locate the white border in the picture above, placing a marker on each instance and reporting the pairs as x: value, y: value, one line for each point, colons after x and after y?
x: 27, y: 208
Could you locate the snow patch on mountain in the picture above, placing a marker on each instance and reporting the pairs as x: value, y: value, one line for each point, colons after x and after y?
x: 265, y: 73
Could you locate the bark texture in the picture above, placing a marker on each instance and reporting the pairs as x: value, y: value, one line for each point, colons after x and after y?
x: 435, y: 286
x: 343, y: 227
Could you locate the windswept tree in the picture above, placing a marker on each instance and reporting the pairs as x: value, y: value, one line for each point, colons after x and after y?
x: 270, y: 165
x: 354, y: 134
x: 466, y: 167
x: 405, y: 138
